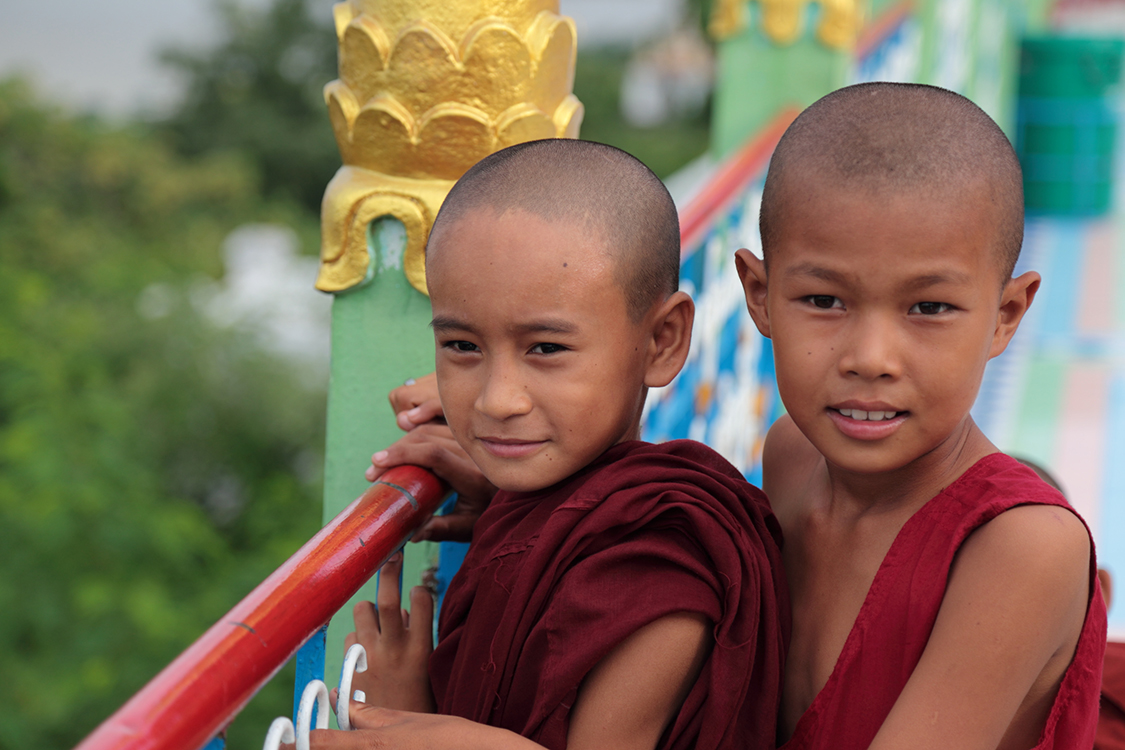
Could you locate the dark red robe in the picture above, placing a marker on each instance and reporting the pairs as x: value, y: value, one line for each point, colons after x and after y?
x: 555, y: 579
x: 896, y: 618
x: 1111, y: 720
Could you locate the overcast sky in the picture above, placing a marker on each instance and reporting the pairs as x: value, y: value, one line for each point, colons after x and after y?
x: 103, y: 55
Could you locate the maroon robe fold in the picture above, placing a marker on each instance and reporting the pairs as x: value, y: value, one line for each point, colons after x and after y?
x: 555, y: 579
x: 895, y: 621
x: 1111, y: 719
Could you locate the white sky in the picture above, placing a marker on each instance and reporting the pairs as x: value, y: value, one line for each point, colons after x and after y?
x: 103, y: 55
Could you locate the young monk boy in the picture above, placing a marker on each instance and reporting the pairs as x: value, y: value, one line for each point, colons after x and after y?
x: 616, y: 594
x: 943, y: 595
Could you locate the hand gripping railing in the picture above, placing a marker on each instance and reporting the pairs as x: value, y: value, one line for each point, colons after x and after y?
x: 200, y: 692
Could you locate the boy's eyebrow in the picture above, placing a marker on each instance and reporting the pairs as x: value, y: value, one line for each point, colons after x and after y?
x: 918, y: 282
x: 934, y: 279
x: 817, y: 272
x: 547, y: 325
x: 448, y: 323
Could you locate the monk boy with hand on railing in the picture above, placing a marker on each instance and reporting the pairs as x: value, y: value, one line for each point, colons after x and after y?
x: 616, y: 594
x: 943, y: 595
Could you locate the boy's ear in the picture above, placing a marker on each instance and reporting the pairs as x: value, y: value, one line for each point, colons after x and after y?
x: 752, y: 273
x: 1014, y: 300
x: 671, y: 339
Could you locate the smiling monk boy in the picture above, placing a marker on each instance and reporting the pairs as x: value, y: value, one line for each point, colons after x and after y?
x: 616, y: 594
x: 943, y: 596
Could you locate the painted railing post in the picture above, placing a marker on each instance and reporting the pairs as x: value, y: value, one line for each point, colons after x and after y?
x: 426, y: 89
x: 775, y: 54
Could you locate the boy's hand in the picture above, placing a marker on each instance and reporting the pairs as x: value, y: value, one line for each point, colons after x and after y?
x: 398, y: 644
x: 384, y: 728
x: 416, y: 402
x: 432, y: 446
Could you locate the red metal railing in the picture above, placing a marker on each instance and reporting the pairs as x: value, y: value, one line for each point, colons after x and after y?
x: 200, y: 692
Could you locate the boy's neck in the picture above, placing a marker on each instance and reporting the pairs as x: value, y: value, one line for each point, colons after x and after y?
x: 853, y: 493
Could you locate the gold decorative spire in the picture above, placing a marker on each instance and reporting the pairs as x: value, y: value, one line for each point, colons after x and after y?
x: 427, y: 88
x: 783, y: 20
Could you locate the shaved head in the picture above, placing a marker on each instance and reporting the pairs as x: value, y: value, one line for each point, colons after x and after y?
x: 899, y: 138
x: 600, y: 188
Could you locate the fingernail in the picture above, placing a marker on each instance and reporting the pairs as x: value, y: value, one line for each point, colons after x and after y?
x: 380, y: 456
x: 414, y: 412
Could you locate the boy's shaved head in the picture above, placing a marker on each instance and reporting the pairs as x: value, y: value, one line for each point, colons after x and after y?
x: 895, y: 138
x: 600, y: 188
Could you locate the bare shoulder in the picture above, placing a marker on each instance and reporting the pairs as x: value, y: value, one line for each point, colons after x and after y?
x: 788, y: 459
x: 1044, y: 541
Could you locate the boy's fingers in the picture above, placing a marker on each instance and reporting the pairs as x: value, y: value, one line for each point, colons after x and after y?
x: 422, y: 618
x: 350, y: 640
x: 366, y: 619
x: 389, y: 597
x: 406, y: 397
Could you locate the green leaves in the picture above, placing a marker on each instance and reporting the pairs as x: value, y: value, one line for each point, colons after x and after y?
x: 152, y: 469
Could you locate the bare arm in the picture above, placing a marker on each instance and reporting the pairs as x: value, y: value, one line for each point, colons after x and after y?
x: 624, y: 703
x: 1008, y: 625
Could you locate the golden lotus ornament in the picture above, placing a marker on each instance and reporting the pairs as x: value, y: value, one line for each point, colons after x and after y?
x: 427, y: 88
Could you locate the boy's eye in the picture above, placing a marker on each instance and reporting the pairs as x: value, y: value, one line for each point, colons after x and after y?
x: 824, y: 301
x: 461, y: 346
x: 546, y: 348
x: 930, y: 308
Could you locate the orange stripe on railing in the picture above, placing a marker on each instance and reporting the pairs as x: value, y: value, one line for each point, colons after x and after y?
x: 728, y: 183
x: 208, y: 684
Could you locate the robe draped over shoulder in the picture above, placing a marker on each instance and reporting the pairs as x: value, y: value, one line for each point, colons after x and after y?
x: 555, y: 579
x: 895, y: 621
x: 1111, y: 720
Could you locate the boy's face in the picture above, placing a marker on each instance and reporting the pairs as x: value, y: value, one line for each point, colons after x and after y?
x: 539, y: 365
x: 883, y: 309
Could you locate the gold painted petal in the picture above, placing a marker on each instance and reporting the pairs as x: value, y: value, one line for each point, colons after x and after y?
x: 497, y: 66
x: 424, y: 67
x: 355, y: 197
x: 363, y: 56
x: 452, y: 138
x: 841, y: 21
x: 568, y: 117
x: 728, y: 19
x: 342, y: 112
x: 342, y: 15
x: 554, y: 46
x: 781, y: 19
x: 524, y: 122
x: 384, y: 136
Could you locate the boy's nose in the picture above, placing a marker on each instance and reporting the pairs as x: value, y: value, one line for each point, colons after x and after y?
x: 871, y: 351
x: 503, y: 394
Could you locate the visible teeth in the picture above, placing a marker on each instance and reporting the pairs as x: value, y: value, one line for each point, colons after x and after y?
x: 868, y: 416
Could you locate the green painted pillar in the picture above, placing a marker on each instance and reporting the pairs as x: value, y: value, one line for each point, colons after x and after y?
x: 758, y: 78
x: 380, y: 337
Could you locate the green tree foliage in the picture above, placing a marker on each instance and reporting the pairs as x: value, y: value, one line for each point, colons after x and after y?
x: 258, y: 93
x: 152, y: 471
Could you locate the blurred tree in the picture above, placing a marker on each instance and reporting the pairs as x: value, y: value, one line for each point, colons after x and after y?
x: 258, y: 93
x: 153, y: 469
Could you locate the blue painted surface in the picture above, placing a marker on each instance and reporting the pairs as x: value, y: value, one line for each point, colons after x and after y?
x: 1111, y: 541
x: 310, y: 666
x: 216, y: 743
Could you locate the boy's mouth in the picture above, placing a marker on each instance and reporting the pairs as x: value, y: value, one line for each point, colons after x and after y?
x: 869, y: 416
x: 875, y: 422
x: 509, y: 447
